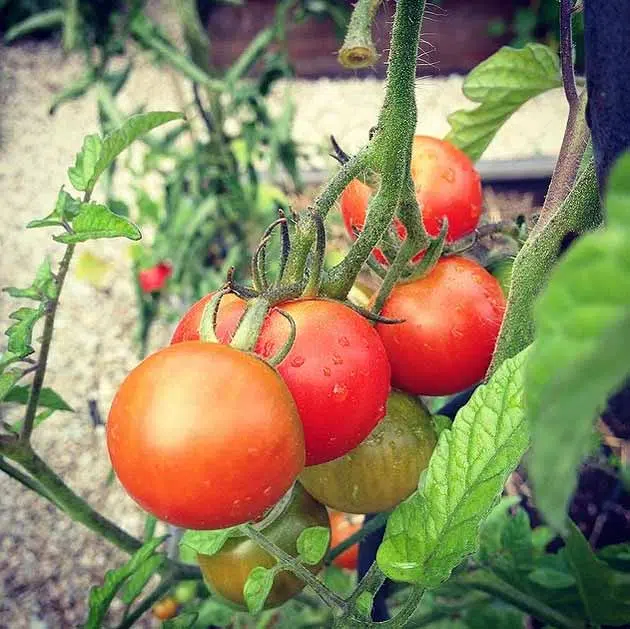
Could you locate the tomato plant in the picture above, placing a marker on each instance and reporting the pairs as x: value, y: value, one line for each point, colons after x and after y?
x: 211, y: 436
x: 226, y: 572
x: 342, y: 526
x: 384, y: 468
x: 187, y: 453
x: 451, y: 322
x: 336, y: 370
x: 446, y: 184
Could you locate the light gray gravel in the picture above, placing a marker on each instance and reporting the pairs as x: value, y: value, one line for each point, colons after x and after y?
x: 47, y: 562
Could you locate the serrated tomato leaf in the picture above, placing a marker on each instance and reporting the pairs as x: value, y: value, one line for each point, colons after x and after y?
x: 21, y: 332
x: 85, y: 162
x: 102, y: 596
x: 137, y: 581
x: 117, y: 141
x: 98, y: 221
x: 312, y: 544
x: 43, y: 286
x: 257, y: 588
x: 431, y: 532
x: 501, y: 84
x: 206, y: 542
x: 580, y: 352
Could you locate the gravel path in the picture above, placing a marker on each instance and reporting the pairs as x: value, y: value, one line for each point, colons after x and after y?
x: 47, y: 562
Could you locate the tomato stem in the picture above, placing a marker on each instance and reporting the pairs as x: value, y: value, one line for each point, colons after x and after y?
x: 317, y: 262
x: 208, y: 325
x: 275, y: 360
x: 389, y: 154
x: 251, y: 323
x: 40, y: 372
x: 369, y: 527
x: 358, y: 50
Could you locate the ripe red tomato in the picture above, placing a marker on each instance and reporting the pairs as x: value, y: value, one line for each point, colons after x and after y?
x: 204, y: 436
x: 165, y: 609
x: 383, y: 469
x: 188, y: 327
x: 226, y: 571
x: 153, y: 279
x: 337, y: 370
x: 342, y: 527
x: 446, y: 183
x: 452, y: 319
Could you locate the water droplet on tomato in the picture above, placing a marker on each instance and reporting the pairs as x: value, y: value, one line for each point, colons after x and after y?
x: 236, y: 503
x: 343, y: 341
x: 381, y: 411
x: 340, y: 391
x: 326, y: 371
x: 337, y: 360
x: 458, y: 334
x: 297, y: 361
x: 267, y: 491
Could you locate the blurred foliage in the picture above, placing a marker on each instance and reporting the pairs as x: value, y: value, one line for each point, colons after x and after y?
x: 539, y: 22
x: 211, y: 194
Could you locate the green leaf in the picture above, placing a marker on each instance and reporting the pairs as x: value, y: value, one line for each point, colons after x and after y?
x: 501, y: 84
x: 551, y: 579
x: 441, y: 423
x: 257, y: 588
x: 98, y: 221
x: 206, y: 542
x: 580, y: 352
x: 492, y: 528
x: 48, y: 398
x: 212, y: 612
x: 117, y: 141
x: 365, y: 602
x: 183, y: 621
x: 136, y: 582
x: 7, y: 380
x: 40, y: 418
x: 21, y: 333
x: 603, y: 591
x: 617, y: 556
x: 44, y: 20
x: 85, y: 162
x: 43, y: 286
x: 66, y: 208
x: 432, y: 531
x: 312, y: 544
x: 101, y: 597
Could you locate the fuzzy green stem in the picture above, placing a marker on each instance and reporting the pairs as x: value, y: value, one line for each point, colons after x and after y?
x: 490, y: 584
x: 358, y: 50
x: 317, y: 261
x: 195, y: 34
x: 390, y: 153
x: 26, y: 480
x: 40, y: 372
x: 326, y: 595
x: 251, y: 324
x: 580, y: 212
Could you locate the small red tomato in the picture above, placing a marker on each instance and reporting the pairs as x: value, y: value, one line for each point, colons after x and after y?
x: 204, y: 436
x: 153, y: 279
x: 451, y: 322
x: 165, y: 609
x: 446, y: 183
x: 342, y: 526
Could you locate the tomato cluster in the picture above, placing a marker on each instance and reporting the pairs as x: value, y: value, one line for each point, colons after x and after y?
x: 206, y: 436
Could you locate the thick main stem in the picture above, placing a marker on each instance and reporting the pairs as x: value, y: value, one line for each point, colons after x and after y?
x: 40, y: 372
x: 358, y: 50
x: 390, y: 149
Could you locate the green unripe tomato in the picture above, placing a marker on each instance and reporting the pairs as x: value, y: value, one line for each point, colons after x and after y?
x: 185, y: 591
x: 382, y: 470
